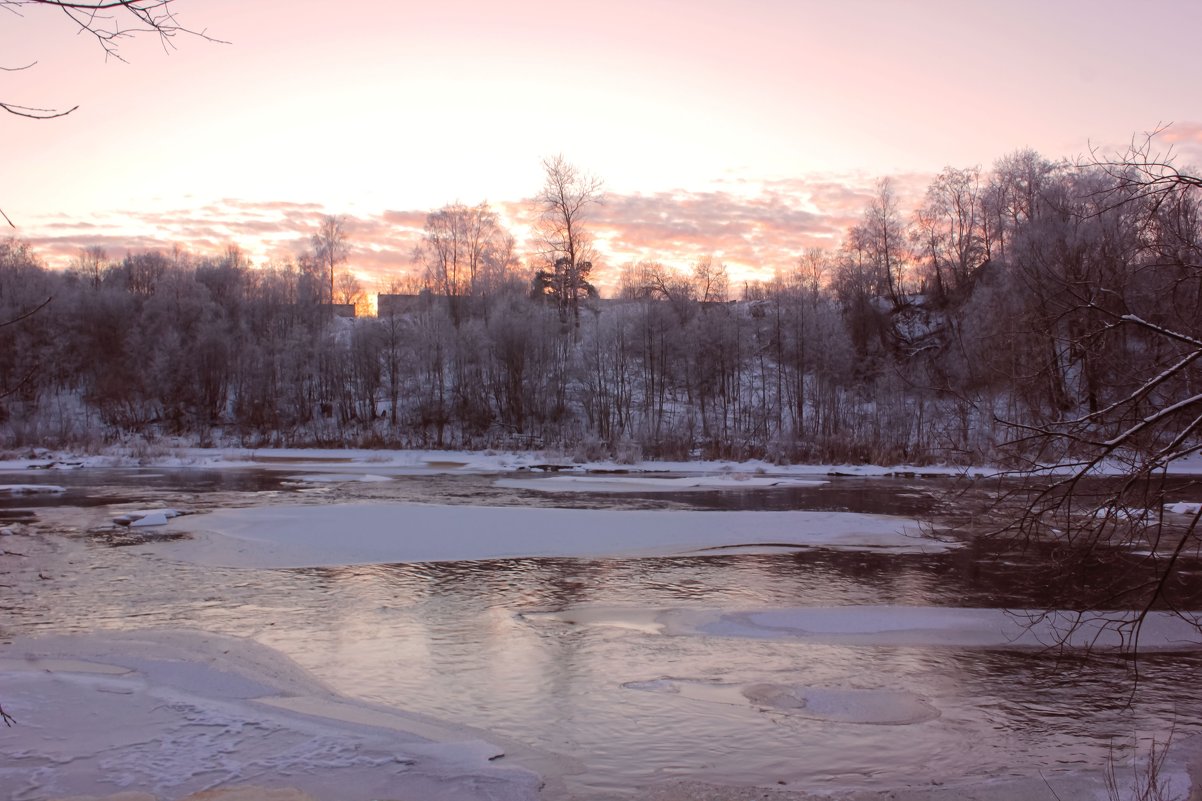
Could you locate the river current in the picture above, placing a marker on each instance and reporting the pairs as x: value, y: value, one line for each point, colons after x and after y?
x: 560, y: 653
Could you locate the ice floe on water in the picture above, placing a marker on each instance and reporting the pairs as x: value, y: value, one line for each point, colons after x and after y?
x: 335, y: 478
x: 1183, y: 508
x: 146, y: 517
x: 594, y: 483
x: 174, y: 713
x: 894, y: 626
x: 946, y: 626
x: 31, y: 489
x: 373, y: 532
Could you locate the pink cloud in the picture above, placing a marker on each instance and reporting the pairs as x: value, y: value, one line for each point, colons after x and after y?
x: 380, y: 244
x: 754, y: 228
x: 1185, y: 139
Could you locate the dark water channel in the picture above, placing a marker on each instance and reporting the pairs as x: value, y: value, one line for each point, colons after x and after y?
x: 112, y: 485
x: 472, y: 642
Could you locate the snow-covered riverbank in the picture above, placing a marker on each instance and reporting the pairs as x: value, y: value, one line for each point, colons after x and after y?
x: 410, y: 462
x: 431, y: 461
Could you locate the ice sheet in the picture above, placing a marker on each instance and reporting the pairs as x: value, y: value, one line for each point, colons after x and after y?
x: 894, y: 626
x: 334, y: 478
x: 942, y: 626
x: 363, y: 533
x: 590, y: 483
x: 171, y: 713
x: 31, y: 489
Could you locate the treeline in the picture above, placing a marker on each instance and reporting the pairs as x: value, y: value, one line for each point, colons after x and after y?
x: 1033, y: 293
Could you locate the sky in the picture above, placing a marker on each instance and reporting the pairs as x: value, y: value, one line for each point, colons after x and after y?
x: 743, y: 131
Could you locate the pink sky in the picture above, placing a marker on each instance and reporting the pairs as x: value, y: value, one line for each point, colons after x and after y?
x: 747, y: 130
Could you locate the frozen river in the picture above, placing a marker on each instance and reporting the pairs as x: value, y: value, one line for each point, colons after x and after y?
x: 634, y: 672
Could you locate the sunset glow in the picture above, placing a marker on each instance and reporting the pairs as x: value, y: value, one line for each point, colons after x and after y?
x: 648, y: 399
x: 745, y: 131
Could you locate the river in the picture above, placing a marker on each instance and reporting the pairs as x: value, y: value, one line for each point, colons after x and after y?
x: 559, y: 653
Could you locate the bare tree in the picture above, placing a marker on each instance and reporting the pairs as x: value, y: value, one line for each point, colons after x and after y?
x: 711, y: 281
x: 1144, y: 170
x: 882, y: 235
x: 90, y: 264
x: 350, y: 292
x: 951, y: 232
x: 564, y: 202
x: 465, y: 252
x: 331, y: 246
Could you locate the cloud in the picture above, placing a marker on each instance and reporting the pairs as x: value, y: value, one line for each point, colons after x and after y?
x: 1185, y: 139
x: 754, y: 228
x: 381, y: 244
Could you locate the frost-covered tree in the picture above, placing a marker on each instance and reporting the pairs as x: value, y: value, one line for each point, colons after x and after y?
x: 465, y: 253
x: 1113, y: 251
x: 951, y: 235
x: 564, y: 241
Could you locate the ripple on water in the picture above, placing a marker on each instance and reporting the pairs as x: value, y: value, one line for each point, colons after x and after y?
x: 879, y: 706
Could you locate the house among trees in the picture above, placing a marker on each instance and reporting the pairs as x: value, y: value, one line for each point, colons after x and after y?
x: 393, y: 304
x: 343, y: 310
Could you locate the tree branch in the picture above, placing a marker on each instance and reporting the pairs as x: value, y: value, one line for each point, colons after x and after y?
x: 105, y: 22
x: 29, y: 313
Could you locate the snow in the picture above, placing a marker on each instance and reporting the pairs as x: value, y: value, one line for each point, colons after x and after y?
x: 174, y: 713
x: 150, y: 519
x: 1183, y: 508
x: 1124, y: 513
x: 374, y: 532
x: 419, y: 462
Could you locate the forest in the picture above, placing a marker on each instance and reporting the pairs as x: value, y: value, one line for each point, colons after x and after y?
x: 1034, y: 297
